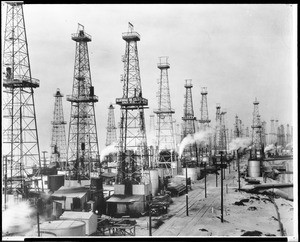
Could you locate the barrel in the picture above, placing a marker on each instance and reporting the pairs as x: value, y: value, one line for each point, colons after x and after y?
x: 191, y: 172
x: 254, y: 168
x: 154, y: 181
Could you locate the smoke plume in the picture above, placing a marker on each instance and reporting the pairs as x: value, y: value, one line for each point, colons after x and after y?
x: 17, y: 217
x: 270, y: 147
x: 201, y: 137
x: 108, y: 150
x: 239, y: 143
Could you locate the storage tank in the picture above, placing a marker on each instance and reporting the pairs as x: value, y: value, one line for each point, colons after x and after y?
x: 154, y: 181
x: 254, y: 168
x: 64, y: 227
x: 191, y: 172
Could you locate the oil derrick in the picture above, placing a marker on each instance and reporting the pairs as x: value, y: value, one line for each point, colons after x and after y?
x: 58, y: 140
x: 133, y: 153
x: 272, y: 133
x: 231, y: 135
x: 264, y: 133
x: 204, y: 119
x: 20, y: 136
x: 236, y: 127
x: 190, y: 151
x: 281, y: 136
x: 241, y: 129
x: 276, y: 134
x: 224, y: 136
x: 218, y: 131
x: 152, y: 123
x: 165, y: 139
x: 288, y: 134
x: 83, y: 150
x: 247, y: 134
x: 256, y: 131
x: 111, y: 133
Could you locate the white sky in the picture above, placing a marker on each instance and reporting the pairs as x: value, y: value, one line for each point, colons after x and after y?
x: 238, y: 52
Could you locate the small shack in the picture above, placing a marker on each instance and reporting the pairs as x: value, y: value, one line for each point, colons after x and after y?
x: 72, y: 198
x: 120, y: 205
x: 89, y: 218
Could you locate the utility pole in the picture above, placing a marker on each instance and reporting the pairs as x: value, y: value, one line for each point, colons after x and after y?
x: 221, y: 186
x: 20, y: 133
x: 238, y: 163
x: 186, y: 192
x: 205, y: 180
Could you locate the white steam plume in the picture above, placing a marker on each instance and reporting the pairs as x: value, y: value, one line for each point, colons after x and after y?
x: 270, y: 147
x: 240, y: 143
x: 199, y: 137
x: 17, y: 217
x: 108, y: 150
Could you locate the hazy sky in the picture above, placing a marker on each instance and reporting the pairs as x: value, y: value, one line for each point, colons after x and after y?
x: 238, y: 52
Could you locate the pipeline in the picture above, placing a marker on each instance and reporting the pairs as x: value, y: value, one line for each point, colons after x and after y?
x: 282, y: 230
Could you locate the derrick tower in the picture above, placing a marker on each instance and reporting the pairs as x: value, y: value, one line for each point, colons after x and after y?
x: 165, y: 139
x: 256, y: 130
x: 58, y: 140
x: 83, y: 150
x: 111, y: 133
x: 236, y: 127
x: 247, y: 133
x: 224, y: 135
x: 288, y: 134
x: 218, y: 131
x: 276, y: 134
x: 190, y: 151
x: 281, y: 140
x: 20, y: 137
x: 264, y: 133
x: 272, y: 136
x: 152, y: 124
x: 204, y: 119
x: 133, y: 153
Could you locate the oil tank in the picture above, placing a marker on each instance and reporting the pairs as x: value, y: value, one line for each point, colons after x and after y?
x: 64, y: 227
x: 154, y: 181
x: 55, y: 182
x: 254, y: 168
